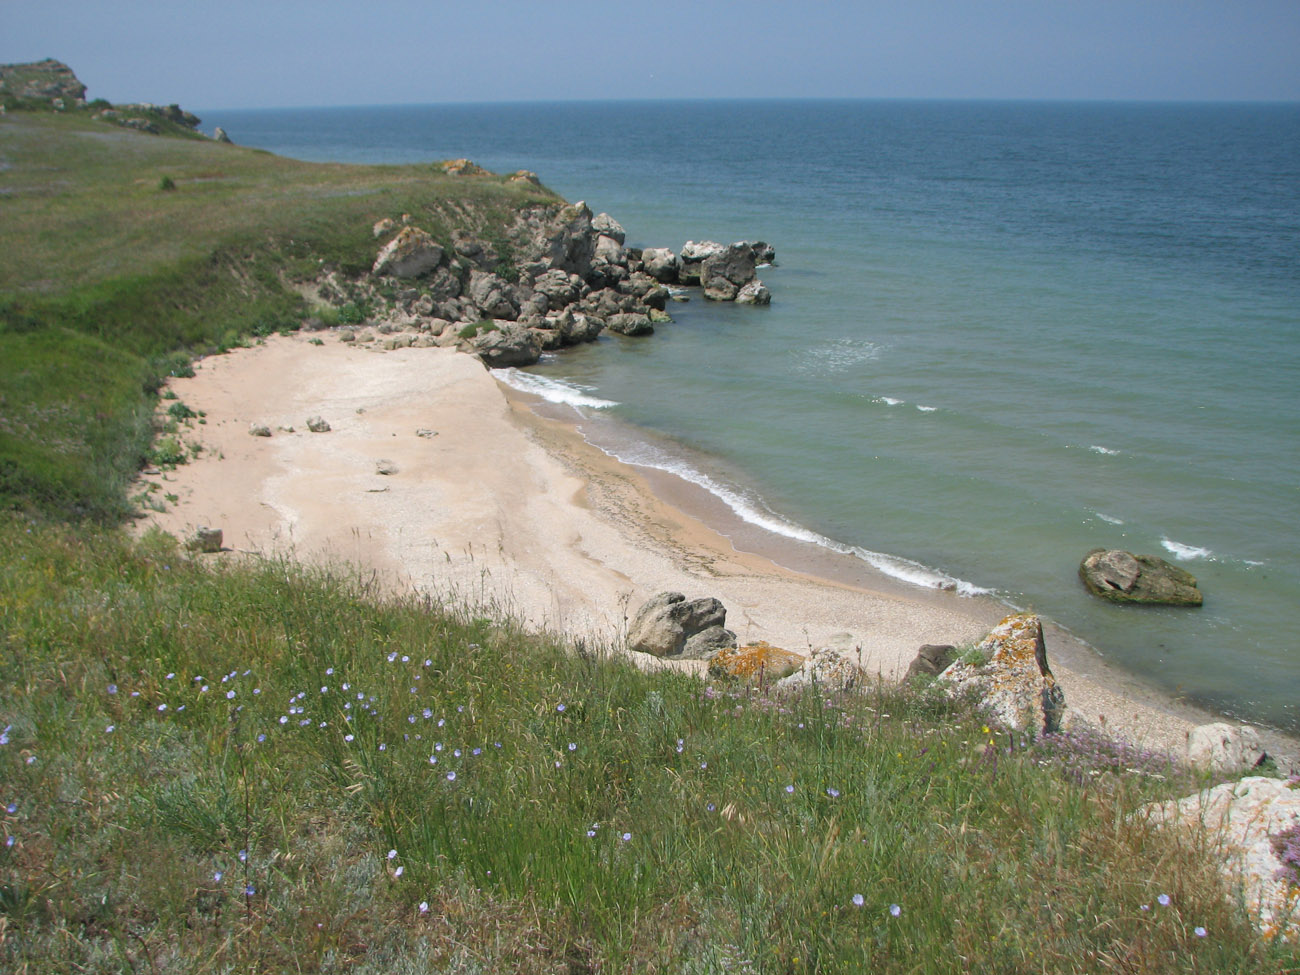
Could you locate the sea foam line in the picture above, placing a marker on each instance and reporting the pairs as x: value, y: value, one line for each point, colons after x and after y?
x: 551, y: 390
x: 758, y: 514
x: 1185, y: 552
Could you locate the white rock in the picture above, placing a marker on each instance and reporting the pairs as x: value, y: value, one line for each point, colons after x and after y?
x: 1224, y: 747
x: 827, y: 669
x: 1241, y: 819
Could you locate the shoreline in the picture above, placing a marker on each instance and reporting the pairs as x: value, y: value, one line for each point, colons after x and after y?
x: 516, y: 510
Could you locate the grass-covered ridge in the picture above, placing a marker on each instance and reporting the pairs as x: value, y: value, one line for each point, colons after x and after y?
x: 273, y: 768
x: 126, y: 252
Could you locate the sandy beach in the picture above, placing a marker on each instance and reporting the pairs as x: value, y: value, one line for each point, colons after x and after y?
x: 490, y: 502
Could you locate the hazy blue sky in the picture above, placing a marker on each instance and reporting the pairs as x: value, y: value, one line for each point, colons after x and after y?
x: 240, y: 53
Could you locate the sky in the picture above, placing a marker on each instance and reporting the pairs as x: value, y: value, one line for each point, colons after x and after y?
x: 289, y: 53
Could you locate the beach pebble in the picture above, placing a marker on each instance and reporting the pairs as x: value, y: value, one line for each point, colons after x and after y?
x: 317, y: 424
x: 259, y: 430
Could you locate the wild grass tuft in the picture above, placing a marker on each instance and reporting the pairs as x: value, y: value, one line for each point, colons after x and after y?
x: 266, y: 767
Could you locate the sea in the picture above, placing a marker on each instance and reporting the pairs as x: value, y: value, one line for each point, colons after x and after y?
x: 1001, y: 334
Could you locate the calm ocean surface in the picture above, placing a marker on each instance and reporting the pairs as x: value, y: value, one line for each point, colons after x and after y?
x: 1001, y: 334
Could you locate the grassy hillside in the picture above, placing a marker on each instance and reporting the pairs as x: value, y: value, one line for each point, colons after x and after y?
x: 271, y: 769
x: 126, y: 252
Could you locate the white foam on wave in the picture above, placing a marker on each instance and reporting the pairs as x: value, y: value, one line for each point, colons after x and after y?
x: 1108, y: 519
x: 927, y: 409
x: 889, y: 401
x: 551, y: 390
x: 1185, y: 552
x: 1098, y: 449
x: 756, y: 513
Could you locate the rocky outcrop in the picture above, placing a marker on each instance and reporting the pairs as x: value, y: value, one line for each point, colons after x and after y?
x: 408, y: 255
x: 755, y: 661
x: 1123, y: 577
x: 827, y: 671
x: 1008, y: 671
x: 660, y: 263
x: 42, y: 81
x: 691, y: 258
x: 462, y: 167
x: 1248, y: 824
x: 505, y: 344
x: 1221, y: 747
x: 724, y: 273
x: 668, y: 625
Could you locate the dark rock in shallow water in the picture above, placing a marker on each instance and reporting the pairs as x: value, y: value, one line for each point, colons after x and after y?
x: 1123, y: 577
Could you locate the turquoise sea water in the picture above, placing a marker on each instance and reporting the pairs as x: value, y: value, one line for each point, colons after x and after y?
x: 1001, y: 334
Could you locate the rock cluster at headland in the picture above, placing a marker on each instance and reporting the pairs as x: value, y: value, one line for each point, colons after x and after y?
x: 559, y: 276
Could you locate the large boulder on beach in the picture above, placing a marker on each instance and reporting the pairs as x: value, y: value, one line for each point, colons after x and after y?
x: 408, y: 255
x: 503, y: 344
x: 1123, y: 577
x: 1008, y: 672
x: 828, y: 671
x: 932, y: 660
x: 670, y: 625
x: 492, y: 295
x: 1222, y: 747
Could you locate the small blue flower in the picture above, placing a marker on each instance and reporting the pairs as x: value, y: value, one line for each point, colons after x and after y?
x: 858, y: 900
x: 11, y: 808
x: 833, y: 793
x: 112, y: 688
x: 626, y: 837
x: 895, y: 910
x: 1163, y: 900
x: 573, y: 746
x: 216, y: 877
x: 1199, y: 931
x: 392, y: 854
x: 451, y: 776
x: 789, y: 788
x: 4, y: 735
x: 109, y: 729
x: 261, y: 738
x: 424, y: 907
x: 559, y: 707
x: 249, y: 891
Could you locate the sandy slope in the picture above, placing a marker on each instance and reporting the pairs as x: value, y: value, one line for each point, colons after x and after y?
x: 503, y: 507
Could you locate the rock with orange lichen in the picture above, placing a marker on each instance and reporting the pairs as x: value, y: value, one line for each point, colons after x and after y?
x: 463, y: 167
x: 1243, y: 823
x: 755, y: 661
x: 1009, y: 673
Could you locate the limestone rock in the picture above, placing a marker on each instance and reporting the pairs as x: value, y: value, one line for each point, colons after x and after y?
x: 707, y: 642
x: 755, y: 661
x: 753, y: 293
x: 828, y: 670
x: 463, y: 167
x: 385, y: 467
x: 609, y: 251
x: 1123, y: 577
x: 492, y: 295
x: 660, y: 263
x: 607, y: 226
x: 664, y: 623
x: 508, y: 344
x: 1013, y: 682
x: 318, y: 424
x: 630, y: 324
x: 692, y: 256
x: 219, y: 135
x: 205, y: 539
x: 931, y: 660
x: 1224, y: 747
x: 725, y: 272
x: 408, y: 255
x: 385, y: 226
x: 1244, y: 820
x: 525, y: 176
x: 259, y: 430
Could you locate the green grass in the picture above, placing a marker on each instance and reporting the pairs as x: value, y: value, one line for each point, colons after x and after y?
x: 109, y: 282
x: 166, y: 715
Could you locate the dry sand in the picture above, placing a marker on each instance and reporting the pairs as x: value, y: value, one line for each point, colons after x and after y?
x: 503, y: 507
